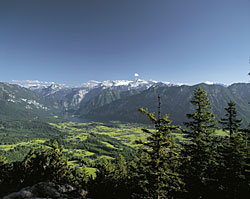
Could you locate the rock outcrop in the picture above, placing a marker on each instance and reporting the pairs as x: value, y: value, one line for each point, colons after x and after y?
x: 48, y: 190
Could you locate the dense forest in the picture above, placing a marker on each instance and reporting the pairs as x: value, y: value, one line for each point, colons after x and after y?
x: 202, y: 165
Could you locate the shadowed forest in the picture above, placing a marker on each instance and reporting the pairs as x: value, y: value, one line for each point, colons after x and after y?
x: 201, y: 165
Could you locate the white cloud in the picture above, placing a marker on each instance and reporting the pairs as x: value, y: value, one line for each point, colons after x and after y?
x: 209, y: 82
x: 136, y: 75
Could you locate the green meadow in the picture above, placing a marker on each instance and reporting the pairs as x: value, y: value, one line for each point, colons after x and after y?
x: 83, y: 143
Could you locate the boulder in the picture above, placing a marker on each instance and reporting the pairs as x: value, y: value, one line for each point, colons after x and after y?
x: 48, y: 190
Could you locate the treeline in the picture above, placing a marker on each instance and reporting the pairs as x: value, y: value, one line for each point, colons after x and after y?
x: 204, y: 165
x: 13, y: 132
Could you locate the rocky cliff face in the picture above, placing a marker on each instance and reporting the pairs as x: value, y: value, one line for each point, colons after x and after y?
x: 45, y: 190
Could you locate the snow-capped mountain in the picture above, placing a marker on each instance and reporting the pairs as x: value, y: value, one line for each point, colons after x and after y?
x: 92, y: 93
x: 50, y: 89
x: 76, y: 97
x: 72, y: 97
x: 117, y: 99
x: 138, y: 83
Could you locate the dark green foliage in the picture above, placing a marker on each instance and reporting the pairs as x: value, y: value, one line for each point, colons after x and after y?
x: 39, y: 165
x: 13, y: 132
x: 161, y: 160
x: 199, y: 150
x: 3, y: 171
x: 111, y: 180
x: 137, y: 173
x: 230, y: 122
x: 234, y: 166
x: 48, y: 164
x: 18, y: 153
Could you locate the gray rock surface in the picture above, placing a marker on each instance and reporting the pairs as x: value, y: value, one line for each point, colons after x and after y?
x: 48, y: 190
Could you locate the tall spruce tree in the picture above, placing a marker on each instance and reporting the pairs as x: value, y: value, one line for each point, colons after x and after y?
x: 230, y: 122
x: 199, y: 150
x: 234, y: 171
x: 160, y: 167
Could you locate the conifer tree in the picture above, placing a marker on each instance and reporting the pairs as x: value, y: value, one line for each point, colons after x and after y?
x: 160, y: 167
x: 102, y: 185
x: 234, y: 152
x: 111, y: 180
x: 200, y: 148
x: 230, y: 122
x: 137, y: 174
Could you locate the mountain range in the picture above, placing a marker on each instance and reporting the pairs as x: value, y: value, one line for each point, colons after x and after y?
x: 116, y: 100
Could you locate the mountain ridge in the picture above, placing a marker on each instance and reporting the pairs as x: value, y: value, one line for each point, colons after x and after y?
x: 175, y: 101
x: 120, y: 99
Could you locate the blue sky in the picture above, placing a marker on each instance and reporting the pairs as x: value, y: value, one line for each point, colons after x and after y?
x: 73, y: 41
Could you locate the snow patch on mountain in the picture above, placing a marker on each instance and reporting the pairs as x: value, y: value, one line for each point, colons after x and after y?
x: 11, y: 100
x: 35, y: 103
x: 216, y: 83
x: 14, y: 99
